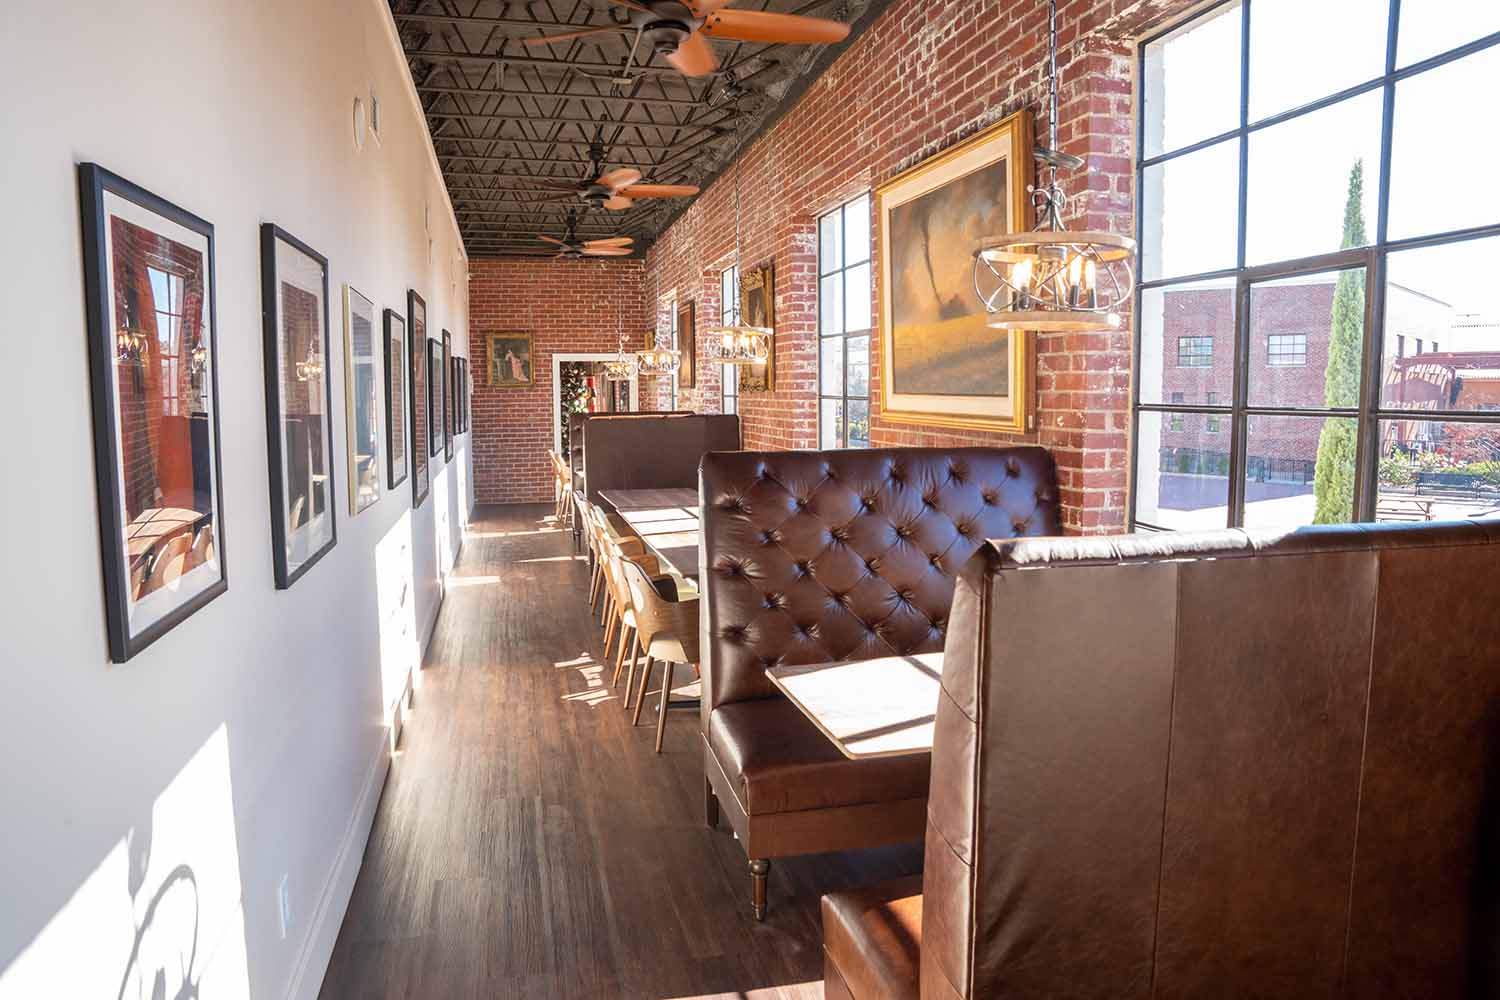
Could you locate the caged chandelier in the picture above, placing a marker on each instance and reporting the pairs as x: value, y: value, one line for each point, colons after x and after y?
x: 622, y: 368
x: 656, y: 360
x: 1050, y: 279
x: 737, y: 344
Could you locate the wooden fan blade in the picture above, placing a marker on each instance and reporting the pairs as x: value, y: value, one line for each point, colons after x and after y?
x: 613, y: 241
x: 619, y: 177
x: 660, y: 191
x: 549, y: 239
x: 764, y: 26
x: 618, y: 204
x: 606, y: 252
x: 694, y: 57
x: 565, y: 36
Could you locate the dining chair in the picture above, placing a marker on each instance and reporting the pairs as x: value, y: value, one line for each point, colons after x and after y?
x: 667, y: 631
x: 169, y: 562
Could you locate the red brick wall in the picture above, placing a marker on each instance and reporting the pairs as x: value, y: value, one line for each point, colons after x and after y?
x: 567, y: 307
x: 925, y: 76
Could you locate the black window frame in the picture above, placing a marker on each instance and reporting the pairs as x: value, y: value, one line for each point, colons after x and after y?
x: 868, y: 333
x: 729, y: 315
x: 1369, y: 413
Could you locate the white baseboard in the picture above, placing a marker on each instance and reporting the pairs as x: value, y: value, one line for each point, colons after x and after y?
x: 323, y: 930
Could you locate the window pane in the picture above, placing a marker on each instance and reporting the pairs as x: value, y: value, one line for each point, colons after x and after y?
x: 1301, y: 51
x: 1428, y: 29
x: 857, y: 230
x: 1301, y: 181
x: 1436, y: 126
x: 1439, y: 302
x: 1182, y: 473
x: 1191, y: 212
x: 859, y: 423
x: 831, y: 304
x: 1432, y: 471
x: 1299, y: 471
x: 859, y: 367
x: 857, y: 297
x: 1192, y: 82
x: 830, y: 242
x: 1307, y: 339
x: 1170, y: 314
x: 832, y: 424
x: 831, y: 373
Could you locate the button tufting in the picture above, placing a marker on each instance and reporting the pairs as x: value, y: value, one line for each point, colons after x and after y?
x: 1021, y: 525
x: 1012, y: 468
x: 989, y: 498
x: 768, y: 538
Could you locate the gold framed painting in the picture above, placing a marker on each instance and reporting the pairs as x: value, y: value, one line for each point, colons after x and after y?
x: 687, y: 345
x: 941, y: 365
x: 510, y: 360
x: 758, y: 308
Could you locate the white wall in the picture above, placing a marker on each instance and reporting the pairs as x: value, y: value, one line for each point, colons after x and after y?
x: 246, y: 746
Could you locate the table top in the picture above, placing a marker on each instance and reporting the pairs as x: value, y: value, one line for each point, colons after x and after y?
x: 868, y: 708
x: 667, y: 521
x: 155, y: 523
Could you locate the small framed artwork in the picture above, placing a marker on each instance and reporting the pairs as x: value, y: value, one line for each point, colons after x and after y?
x: 448, y: 391
x: 362, y: 392
x: 434, y: 396
x: 149, y: 302
x: 758, y: 308
x: 465, y: 386
x: 941, y: 364
x: 416, y: 333
x: 398, y: 370
x: 299, y: 419
x: 510, y: 360
x: 687, y: 345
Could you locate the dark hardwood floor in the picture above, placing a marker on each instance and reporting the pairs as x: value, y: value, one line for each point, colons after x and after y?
x: 530, y: 844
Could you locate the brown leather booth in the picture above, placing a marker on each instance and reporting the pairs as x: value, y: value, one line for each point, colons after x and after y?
x: 813, y: 557
x: 1221, y: 765
x: 655, y: 451
x: 575, y: 433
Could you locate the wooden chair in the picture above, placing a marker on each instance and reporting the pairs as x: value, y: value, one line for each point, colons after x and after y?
x: 170, y: 561
x: 666, y: 631
x: 563, y: 488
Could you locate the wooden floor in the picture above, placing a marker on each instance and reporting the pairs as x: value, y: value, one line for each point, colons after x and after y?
x: 530, y: 844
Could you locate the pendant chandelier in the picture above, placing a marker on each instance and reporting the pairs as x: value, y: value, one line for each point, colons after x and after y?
x: 1051, y: 279
x: 622, y: 368
x: 657, y: 360
x: 738, y: 344
x: 310, y: 368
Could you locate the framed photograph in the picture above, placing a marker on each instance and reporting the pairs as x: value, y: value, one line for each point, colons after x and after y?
x: 397, y: 369
x: 153, y: 371
x: 435, y: 396
x: 510, y: 360
x: 362, y: 393
x: 460, y: 395
x: 448, y: 395
x: 416, y: 333
x: 299, y: 418
x: 758, y: 308
x: 941, y: 365
x: 687, y: 344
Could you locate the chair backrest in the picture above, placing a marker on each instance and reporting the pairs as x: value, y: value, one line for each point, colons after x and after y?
x: 655, y: 614
x: 1220, y: 765
x: 170, y: 561
x: 813, y: 556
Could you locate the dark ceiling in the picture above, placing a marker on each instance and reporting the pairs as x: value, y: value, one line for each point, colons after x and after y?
x: 503, y: 114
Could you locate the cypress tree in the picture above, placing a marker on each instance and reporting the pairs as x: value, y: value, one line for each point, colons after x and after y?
x: 1333, y: 477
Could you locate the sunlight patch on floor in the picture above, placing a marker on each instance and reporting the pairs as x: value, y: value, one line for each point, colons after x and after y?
x: 472, y: 581
x: 813, y: 987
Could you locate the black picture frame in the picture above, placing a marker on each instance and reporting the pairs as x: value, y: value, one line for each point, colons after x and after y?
x: 397, y: 391
x: 434, y: 397
x: 94, y: 183
x: 277, y: 416
x: 450, y: 387
x: 416, y: 333
x: 464, y: 387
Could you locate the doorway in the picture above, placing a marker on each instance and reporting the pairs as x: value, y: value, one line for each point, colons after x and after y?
x: 578, y: 385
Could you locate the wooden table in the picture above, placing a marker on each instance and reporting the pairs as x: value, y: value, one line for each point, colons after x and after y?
x: 667, y: 521
x: 868, y: 708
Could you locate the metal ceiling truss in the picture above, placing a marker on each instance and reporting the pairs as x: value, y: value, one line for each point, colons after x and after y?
x: 569, y: 110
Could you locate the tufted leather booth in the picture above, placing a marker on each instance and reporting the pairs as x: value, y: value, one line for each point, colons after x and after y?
x: 1220, y: 764
x: 813, y: 557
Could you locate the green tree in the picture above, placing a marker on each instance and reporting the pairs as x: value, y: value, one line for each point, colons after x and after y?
x: 1333, y: 478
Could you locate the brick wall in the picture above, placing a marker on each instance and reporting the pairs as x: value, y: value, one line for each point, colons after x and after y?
x: 924, y: 77
x: 572, y: 307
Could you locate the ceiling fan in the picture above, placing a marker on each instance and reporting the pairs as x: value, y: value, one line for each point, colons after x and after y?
x: 676, y: 30
x: 616, y: 189
x: 570, y: 248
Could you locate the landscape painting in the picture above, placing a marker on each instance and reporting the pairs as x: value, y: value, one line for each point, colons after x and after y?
x: 945, y: 366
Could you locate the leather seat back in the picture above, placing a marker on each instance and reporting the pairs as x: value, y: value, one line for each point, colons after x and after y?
x: 651, y: 451
x: 812, y: 556
x: 1220, y: 765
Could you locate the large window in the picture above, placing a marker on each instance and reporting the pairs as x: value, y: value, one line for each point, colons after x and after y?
x: 729, y: 308
x: 1293, y: 252
x: 844, y: 323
